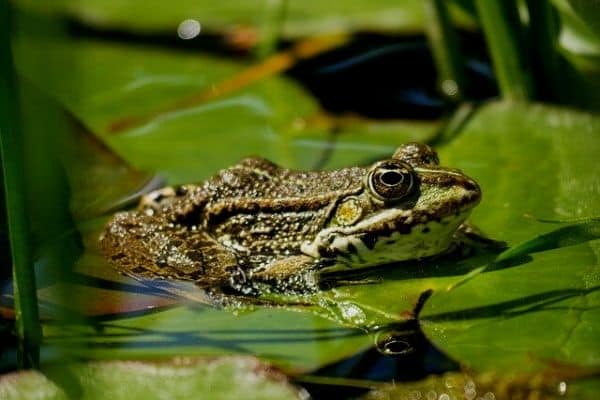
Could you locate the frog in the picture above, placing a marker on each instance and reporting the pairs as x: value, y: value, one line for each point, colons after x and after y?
x: 256, y: 227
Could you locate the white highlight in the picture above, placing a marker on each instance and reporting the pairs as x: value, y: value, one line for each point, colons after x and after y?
x: 188, y: 29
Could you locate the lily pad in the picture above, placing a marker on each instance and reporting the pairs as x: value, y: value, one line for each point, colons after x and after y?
x: 181, y: 378
x: 532, y: 162
x: 543, y: 305
x: 486, y: 386
x: 274, y: 117
x: 29, y: 385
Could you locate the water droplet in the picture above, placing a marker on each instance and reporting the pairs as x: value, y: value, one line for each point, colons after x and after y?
x: 431, y: 395
x: 489, y: 396
x: 352, y: 313
x: 444, y: 396
x: 394, y: 347
x: 469, y: 385
x: 188, y: 29
x: 415, y: 395
x: 449, y: 87
x: 562, y: 388
x: 470, y: 393
x: 392, y: 342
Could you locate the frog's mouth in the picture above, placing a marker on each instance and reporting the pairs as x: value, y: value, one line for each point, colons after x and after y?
x: 397, y: 233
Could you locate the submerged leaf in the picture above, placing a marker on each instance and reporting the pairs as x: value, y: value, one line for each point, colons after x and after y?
x: 181, y: 378
x: 469, y: 386
x: 29, y: 385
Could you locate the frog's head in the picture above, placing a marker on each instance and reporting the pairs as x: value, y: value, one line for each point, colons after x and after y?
x: 409, y: 208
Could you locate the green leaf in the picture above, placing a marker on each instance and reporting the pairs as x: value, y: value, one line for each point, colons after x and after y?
x: 274, y: 117
x: 540, y: 302
x: 459, y: 385
x: 579, y: 43
x: 308, y: 17
x: 533, y: 162
x: 181, y: 378
x: 29, y: 385
x: 588, y: 11
x: 569, y: 235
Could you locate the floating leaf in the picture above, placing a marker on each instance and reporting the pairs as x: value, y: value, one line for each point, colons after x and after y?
x: 29, y: 385
x: 273, y: 117
x: 542, y: 301
x: 457, y: 385
x: 181, y: 378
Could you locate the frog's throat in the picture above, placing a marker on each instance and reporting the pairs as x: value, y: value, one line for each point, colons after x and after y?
x: 392, y: 235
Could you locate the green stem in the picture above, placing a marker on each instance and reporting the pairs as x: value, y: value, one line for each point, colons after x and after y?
x: 11, y: 151
x: 271, y: 27
x: 503, y: 33
x: 445, y: 49
x: 546, y: 61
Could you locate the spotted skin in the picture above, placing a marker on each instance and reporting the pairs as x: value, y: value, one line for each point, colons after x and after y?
x: 256, y: 227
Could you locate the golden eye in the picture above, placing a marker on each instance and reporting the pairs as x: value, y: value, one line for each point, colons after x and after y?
x: 391, y: 180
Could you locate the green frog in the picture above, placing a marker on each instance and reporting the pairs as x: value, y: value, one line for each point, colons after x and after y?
x: 256, y: 227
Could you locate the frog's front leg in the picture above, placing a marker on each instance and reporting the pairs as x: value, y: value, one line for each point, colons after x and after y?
x: 293, y: 274
x: 155, y: 199
x: 471, y: 235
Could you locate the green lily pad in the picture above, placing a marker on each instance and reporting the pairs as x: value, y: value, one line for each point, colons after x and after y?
x: 29, y: 385
x: 182, y: 378
x: 487, y: 386
x: 273, y: 117
x: 542, y: 302
x: 532, y: 162
x: 309, y: 17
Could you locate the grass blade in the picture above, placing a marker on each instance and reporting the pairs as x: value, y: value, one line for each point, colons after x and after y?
x: 444, y: 46
x: 504, y: 37
x: 11, y: 150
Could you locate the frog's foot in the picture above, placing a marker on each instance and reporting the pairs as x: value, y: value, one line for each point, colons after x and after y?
x: 469, y: 237
x: 154, y: 199
x: 290, y: 275
x: 231, y: 299
x: 330, y: 283
x: 241, y: 284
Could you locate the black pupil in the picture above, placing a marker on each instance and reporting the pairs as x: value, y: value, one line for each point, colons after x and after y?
x: 391, y: 178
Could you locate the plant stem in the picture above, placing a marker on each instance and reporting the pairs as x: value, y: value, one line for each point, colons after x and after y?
x: 445, y: 49
x: 546, y: 61
x: 11, y: 151
x: 503, y: 33
x: 272, y: 24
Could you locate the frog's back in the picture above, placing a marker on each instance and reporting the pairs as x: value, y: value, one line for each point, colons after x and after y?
x: 261, y: 209
x: 257, y: 178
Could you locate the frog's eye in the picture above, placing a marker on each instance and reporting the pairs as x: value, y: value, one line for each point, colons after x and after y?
x: 391, y: 180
